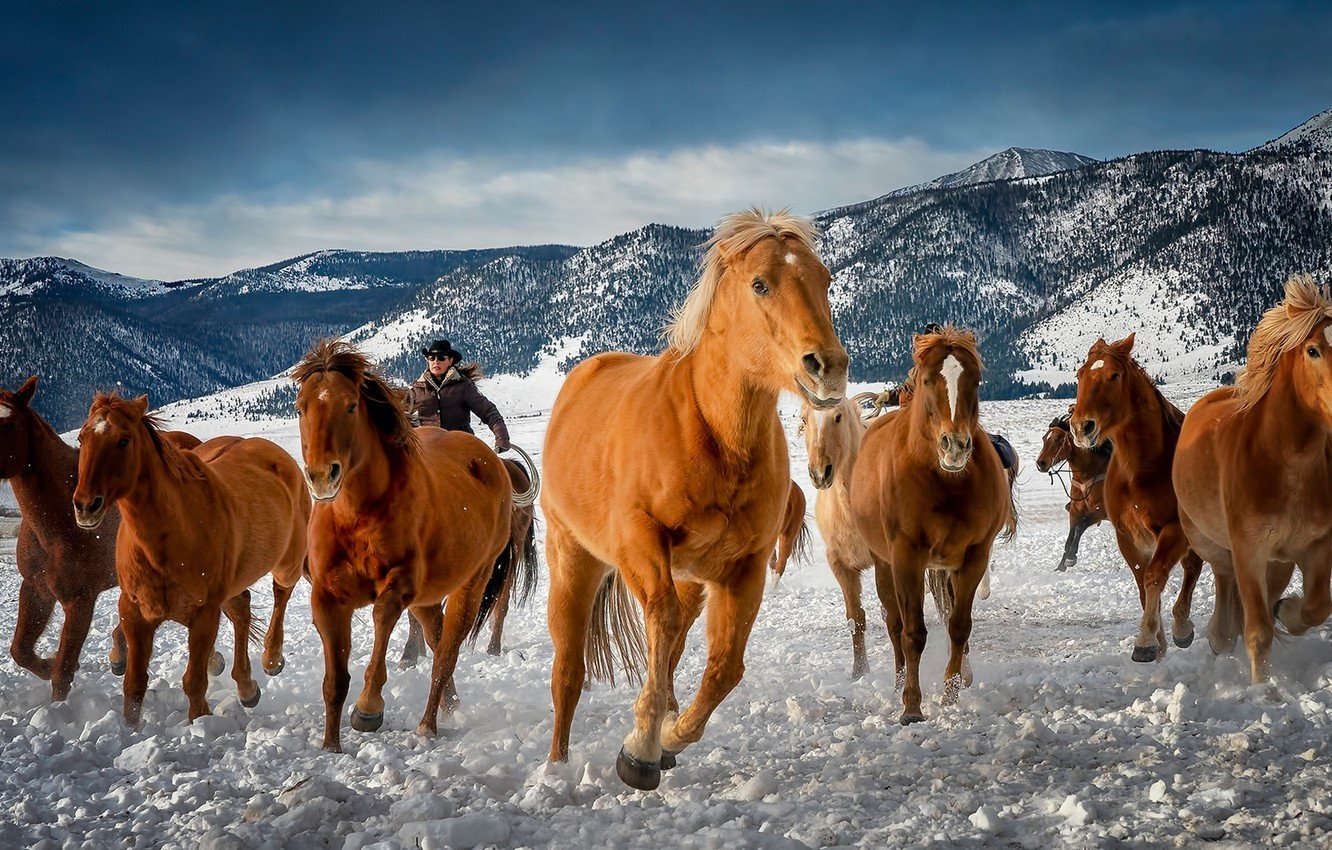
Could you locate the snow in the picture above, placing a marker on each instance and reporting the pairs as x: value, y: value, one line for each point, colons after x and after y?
x: 1316, y: 132
x: 1062, y: 741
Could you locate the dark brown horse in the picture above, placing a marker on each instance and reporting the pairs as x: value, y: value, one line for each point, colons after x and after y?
x: 929, y: 491
x: 1118, y: 401
x: 403, y: 518
x: 519, y: 583
x: 58, y: 560
x: 197, y: 529
x: 1086, y: 490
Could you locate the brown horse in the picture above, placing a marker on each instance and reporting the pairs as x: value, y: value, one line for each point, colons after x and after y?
x: 197, y: 529
x: 929, y: 491
x: 403, y: 519
x: 520, y: 582
x: 1119, y: 402
x: 794, y: 537
x: 1086, y: 492
x: 669, y: 474
x: 58, y: 561
x: 1253, y: 473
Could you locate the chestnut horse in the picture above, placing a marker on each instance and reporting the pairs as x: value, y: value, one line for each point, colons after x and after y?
x: 403, y: 518
x: 521, y: 580
x: 1086, y: 491
x: 794, y: 537
x: 197, y: 528
x: 1253, y: 473
x: 58, y: 561
x: 1119, y: 402
x: 666, y: 475
x: 929, y: 491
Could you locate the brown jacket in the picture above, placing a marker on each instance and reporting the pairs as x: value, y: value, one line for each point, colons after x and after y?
x: 450, y: 402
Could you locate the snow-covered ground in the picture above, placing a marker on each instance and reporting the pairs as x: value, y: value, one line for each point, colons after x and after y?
x: 1063, y: 741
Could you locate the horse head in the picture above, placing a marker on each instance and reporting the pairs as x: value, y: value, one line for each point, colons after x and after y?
x: 16, y: 428
x: 111, y: 446
x: 1103, y: 401
x: 945, y: 393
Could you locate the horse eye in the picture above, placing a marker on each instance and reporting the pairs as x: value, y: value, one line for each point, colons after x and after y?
x: 1115, y: 376
x: 1313, y: 352
x: 759, y: 286
x: 837, y: 418
x: 124, y: 441
x: 351, y: 408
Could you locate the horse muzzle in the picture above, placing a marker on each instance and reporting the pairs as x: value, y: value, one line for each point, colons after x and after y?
x: 1086, y: 434
x: 954, y: 452
x: 822, y: 479
x: 90, y: 514
x: 325, y: 486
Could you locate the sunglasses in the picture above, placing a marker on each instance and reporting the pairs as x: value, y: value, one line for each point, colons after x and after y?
x: 438, y: 357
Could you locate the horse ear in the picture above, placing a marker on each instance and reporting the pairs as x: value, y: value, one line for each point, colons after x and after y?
x: 140, y: 405
x: 24, y: 393
x: 1125, y: 346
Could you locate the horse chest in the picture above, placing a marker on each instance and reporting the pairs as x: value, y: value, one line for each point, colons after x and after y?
x: 720, y: 532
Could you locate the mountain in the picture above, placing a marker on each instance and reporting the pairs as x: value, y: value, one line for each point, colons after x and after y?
x: 81, y: 328
x: 1315, y: 134
x: 1011, y: 164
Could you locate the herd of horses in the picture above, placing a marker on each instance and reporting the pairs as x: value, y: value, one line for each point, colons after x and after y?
x: 666, y: 491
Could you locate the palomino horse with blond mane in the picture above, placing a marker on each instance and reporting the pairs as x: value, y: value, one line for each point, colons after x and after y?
x: 1086, y: 490
x: 403, y: 518
x: 1253, y: 472
x: 58, y: 560
x: 669, y: 475
x: 1119, y: 402
x: 929, y: 491
x: 197, y: 528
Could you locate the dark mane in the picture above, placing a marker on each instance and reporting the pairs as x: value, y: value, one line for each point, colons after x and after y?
x: 382, y: 403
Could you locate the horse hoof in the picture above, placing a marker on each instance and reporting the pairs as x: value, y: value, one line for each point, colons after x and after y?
x: 668, y: 759
x: 366, y: 722
x: 217, y: 665
x: 252, y: 701
x: 1144, y: 653
x: 276, y: 668
x: 118, y: 667
x: 643, y: 775
x: 908, y: 718
x: 1185, y: 641
x: 1063, y: 566
x: 406, y: 663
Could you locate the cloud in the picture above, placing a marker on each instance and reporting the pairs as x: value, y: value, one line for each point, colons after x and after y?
x: 472, y: 202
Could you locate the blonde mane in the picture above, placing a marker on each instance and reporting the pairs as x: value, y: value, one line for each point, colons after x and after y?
x: 735, y: 234
x: 948, y: 336
x: 1282, y: 328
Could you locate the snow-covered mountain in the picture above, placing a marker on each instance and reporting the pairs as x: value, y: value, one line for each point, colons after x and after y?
x: 1011, y: 164
x: 1316, y: 133
x: 47, y: 275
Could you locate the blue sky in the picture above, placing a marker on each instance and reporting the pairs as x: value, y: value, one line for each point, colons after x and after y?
x: 179, y: 139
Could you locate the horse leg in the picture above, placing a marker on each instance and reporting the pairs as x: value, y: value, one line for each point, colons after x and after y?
x: 116, y: 658
x: 1171, y: 545
x: 203, y: 635
x: 1223, y: 628
x: 460, y: 615
x: 957, y: 675
x: 416, y: 642
x: 1182, y: 628
x: 367, y: 715
x: 575, y: 576
x: 1077, y: 526
x: 332, y: 620
x: 138, y: 649
x: 848, y: 579
x: 892, y: 616
x: 691, y: 600
x: 78, y: 619
x: 237, y: 610
x: 501, y: 609
x: 732, y: 608
x: 1299, y: 615
x: 273, y: 659
x: 909, y: 584
x: 1250, y: 570
x: 35, y: 605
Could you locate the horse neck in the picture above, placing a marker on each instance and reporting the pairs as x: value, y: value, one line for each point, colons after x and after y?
x: 849, y: 455
x: 1286, y: 419
x: 732, y: 408
x: 159, y: 490
x: 47, y: 481
x: 1145, y: 437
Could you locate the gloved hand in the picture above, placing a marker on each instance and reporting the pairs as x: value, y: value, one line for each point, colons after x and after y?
x: 501, y: 445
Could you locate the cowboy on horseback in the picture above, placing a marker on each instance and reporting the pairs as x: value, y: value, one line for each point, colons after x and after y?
x: 446, y: 395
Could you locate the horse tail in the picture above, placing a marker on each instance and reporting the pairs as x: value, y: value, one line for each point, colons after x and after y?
x: 499, y: 574
x: 1009, y: 529
x: 940, y: 583
x: 528, y: 566
x: 800, y: 551
x: 615, y: 634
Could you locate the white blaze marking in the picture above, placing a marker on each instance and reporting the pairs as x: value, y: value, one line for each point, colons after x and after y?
x: 1098, y: 364
x: 323, y: 395
x: 5, y: 411
x: 1327, y: 334
x: 99, y: 426
x: 790, y: 259
x: 951, y: 370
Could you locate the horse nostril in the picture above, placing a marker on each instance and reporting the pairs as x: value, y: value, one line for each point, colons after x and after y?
x: 827, y: 472
x: 813, y: 365
x: 334, y: 471
x: 96, y: 505
x: 1088, y: 427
